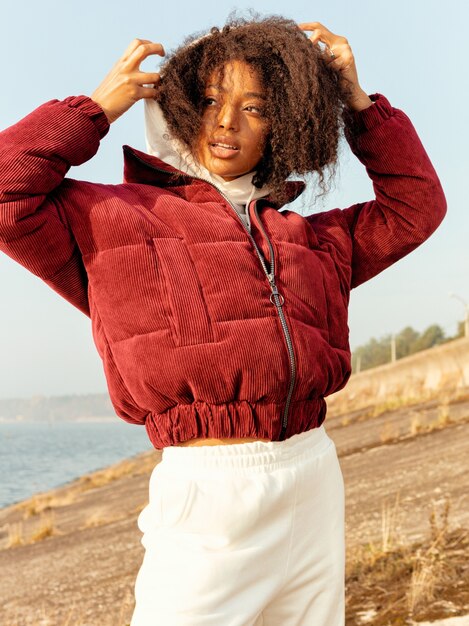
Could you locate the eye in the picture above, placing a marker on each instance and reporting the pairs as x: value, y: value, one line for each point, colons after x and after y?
x: 254, y: 109
x: 209, y: 101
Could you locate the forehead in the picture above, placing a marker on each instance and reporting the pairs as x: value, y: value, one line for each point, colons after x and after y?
x: 236, y: 74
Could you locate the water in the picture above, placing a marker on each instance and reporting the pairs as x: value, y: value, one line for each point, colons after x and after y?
x: 36, y: 457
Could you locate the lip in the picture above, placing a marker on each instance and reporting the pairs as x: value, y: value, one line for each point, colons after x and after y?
x: 223, y: 148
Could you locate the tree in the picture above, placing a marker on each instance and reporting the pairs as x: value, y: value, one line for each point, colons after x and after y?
x: 405, y: 340
x: 432, y: 336
x: 408, y: 341
x: 374, y: 353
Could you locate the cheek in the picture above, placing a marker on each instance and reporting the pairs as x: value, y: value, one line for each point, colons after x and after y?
x: 201, y: 141
x: 208, y: 121
x: 261, y: 143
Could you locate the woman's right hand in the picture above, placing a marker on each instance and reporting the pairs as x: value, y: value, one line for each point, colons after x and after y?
x: 123, y: 86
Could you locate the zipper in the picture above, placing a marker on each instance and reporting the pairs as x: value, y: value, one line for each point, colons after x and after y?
x: 278, y: 299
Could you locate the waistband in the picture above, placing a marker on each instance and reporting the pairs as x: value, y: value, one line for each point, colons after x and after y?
x: 262, y: 454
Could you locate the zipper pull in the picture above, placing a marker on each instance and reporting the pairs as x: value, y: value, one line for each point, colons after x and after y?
x: 275, y: 291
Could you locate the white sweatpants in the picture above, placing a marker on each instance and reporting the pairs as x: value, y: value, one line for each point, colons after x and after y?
x: 248, y: 534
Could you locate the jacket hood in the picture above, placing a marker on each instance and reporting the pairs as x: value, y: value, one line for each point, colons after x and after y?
x: 143, y: 168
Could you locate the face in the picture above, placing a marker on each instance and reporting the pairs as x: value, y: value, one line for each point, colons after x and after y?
x: 234, y: 130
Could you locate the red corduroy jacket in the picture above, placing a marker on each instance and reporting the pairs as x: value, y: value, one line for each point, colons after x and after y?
x: 206, y: 329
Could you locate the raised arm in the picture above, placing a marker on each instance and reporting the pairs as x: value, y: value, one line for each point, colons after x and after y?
x: 409, y: 201
x: 35, y: 155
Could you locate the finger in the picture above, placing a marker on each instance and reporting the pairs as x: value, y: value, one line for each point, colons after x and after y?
x: 314, y: 26
x: 330, y: 55
x: 325, y: 36
x: 134, y: 44
x: 320, y: 36
x: 144, y: 50
x: 146, y: 92
x: 147, y: 78
x: 339, y: 56
x: 322, y: 44
x: 323, y: 49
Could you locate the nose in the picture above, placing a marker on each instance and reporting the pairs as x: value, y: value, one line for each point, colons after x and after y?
x: 227, y: 117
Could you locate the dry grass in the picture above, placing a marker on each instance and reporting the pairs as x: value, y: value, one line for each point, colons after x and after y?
x: 416, y: 425
x: 429, y: 563
x: 129, y: 467
x: 422, y: 583
x: 44, y: 527
x: 389, y: 584
x: 443, y: 419
x: 108, y: 475
x: 389, y: 432
x: 368, y: 555
x: 15, y: 535
x: 389, y: 525
x: 41, y: 503
x: 419, y: 424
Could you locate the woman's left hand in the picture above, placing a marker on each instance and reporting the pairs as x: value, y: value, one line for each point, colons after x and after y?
x: 338, y: 54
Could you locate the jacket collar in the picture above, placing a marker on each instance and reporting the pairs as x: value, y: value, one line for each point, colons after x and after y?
x: 143, y: 168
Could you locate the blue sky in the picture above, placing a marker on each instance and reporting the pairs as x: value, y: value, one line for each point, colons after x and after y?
x: 412, y: 52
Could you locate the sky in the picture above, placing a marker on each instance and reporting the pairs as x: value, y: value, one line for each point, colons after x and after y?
x: 414, y: 53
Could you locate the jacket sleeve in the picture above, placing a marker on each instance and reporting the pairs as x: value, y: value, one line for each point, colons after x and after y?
x: 35, y: 155
x: 410, y: 202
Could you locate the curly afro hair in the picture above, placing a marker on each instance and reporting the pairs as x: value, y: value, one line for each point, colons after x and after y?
x: 304, y: 100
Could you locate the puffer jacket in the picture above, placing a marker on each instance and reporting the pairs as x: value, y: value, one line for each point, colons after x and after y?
x: 206, y: 329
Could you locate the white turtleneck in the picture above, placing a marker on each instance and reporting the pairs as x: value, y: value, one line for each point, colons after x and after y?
x: 239, y: 191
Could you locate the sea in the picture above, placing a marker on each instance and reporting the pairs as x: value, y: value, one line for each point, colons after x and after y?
x: 38, y: 456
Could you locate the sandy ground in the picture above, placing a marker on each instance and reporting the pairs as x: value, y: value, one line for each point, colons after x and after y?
x: 84, y: 574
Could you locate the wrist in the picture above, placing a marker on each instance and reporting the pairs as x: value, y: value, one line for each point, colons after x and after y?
x: 359, y: 101
x: 96, y: 99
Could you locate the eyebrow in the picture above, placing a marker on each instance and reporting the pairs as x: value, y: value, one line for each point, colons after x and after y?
x: 248, y: 94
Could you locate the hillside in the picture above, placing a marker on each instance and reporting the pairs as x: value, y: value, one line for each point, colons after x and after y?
x: 439, y: 373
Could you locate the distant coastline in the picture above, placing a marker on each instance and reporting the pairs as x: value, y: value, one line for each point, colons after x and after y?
x: 98, y: 419
x: 95, y: 407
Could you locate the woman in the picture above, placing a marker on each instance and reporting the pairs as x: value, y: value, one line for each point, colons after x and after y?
x: 221, y: 320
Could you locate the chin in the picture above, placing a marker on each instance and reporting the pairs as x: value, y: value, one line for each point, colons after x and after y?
x: 228, y: 175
